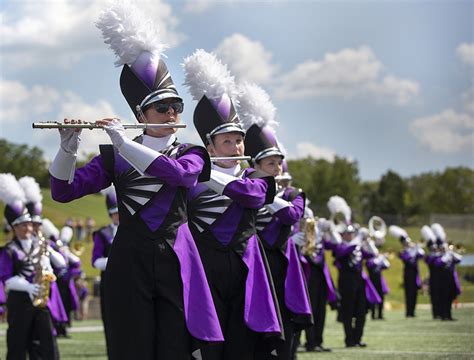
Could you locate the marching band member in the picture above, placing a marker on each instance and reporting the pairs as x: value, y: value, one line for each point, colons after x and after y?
x: 433, y: 246
x: 33, y: 198
x: 448, y: 276
x: 375, y: 264
x: 355, y: 287
x: 222, y: 215
x: 67, y: 277
x: 274, y: 221
x: 103, y: 239
x: 25, y: 269
x: 155, y: 284
x: 411, y: 275
x: 318, y: 277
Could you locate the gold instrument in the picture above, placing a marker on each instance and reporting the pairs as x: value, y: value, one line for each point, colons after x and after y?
x: 92, y: 126
x: 307, y: 226
x: 43, y: 275
x: 78, y: 249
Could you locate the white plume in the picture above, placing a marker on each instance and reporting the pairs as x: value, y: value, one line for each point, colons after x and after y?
x: 397, y: 231
x: 31, y: 189
x: 128, y: 32
x: 255, y: 106
x: 438, y: 231
x: 50, y: 230
x: 427, y: 234
x: 205, y: 74
x: 10, y: 189
x: 337, y: 204
x: 66, y: 234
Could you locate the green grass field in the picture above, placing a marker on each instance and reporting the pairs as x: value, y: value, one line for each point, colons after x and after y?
x: 394, y: 338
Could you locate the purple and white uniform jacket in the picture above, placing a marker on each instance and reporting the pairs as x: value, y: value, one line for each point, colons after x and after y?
x: 349, y: 257
x: 410, y: 257
x: 15, y: 261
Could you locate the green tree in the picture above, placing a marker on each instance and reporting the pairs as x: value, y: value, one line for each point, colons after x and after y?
x: 20, y: 160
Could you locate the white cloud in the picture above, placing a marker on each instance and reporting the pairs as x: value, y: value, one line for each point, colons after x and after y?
x: 247, y: 60
x: 305, y: 149
x: 16, y: 100
x: 347, y: 73
x: 20, y: 106
x: 465, y: 52
x: 62, y: 32
x: 447, y: 132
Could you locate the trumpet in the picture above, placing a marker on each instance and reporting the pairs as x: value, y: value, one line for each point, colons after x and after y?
x: 92, y: 126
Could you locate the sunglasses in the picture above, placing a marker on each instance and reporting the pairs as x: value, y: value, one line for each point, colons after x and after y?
x: 163, y: 107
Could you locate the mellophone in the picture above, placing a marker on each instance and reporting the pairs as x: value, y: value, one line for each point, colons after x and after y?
x: 91, y: 126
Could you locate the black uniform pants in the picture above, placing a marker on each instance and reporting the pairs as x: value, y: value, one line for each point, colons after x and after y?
x: 447, y: 293
x: 353, y: 305
x: 377, y: 309
x: 227, y: 274
x: 26, y: 322
x: 411, y: 290
x: 103, y: 308
x: 435, y: 289
x: 144, y: 300
x: 318, y: 295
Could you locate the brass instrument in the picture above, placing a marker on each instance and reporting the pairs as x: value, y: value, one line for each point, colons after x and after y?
x: 338, y: 222
x: 377, y: 227
x: 43, y: 275
x: 92, y: 126
x: 78, y: 249
x: 307, y: 226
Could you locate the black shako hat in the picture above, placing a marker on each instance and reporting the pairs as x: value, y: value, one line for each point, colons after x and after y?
x: 212, y: 117
x: 260, y: 142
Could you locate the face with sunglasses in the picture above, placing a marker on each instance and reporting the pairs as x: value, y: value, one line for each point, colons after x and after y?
x: 163, y: 112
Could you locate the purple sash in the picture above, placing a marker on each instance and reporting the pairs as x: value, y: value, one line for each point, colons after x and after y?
x: 457, y: 282
x: 55, y: 304
x: 330, y: 285
x: 296, y: 295
x: 73, y: 292
x: 260, y: 313
x: 370, y: 291
x: 199, y: 310
x: 385, y: 288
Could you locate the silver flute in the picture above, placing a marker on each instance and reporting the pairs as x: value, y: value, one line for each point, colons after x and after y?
x: 230, y: 158
x: 91, y: 126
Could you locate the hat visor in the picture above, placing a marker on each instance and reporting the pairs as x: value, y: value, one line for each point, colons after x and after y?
x: 21, y: 219
x: 228, y: 129
x: 159, y: 97
x: 269, y: 152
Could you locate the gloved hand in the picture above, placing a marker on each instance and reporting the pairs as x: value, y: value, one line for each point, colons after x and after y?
x: 299, y: 238
x: 19, y: 283
x: 101, y: 263
x: 70, y: 139
x: 116, y: 132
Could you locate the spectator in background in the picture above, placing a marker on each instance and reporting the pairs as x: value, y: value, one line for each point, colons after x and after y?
x: 90, y: 226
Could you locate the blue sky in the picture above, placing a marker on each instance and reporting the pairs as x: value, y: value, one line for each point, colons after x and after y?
x: 386, y: 83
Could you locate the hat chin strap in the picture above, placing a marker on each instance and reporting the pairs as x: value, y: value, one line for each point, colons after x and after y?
x: 141, y: 115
